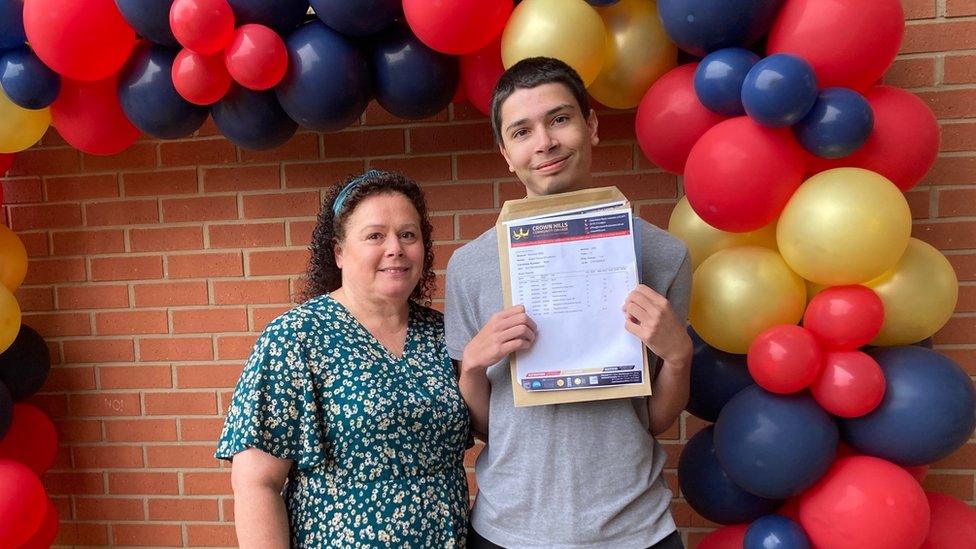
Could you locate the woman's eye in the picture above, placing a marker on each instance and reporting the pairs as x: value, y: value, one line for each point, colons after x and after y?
x: 374, y: 236
x: 408, y: 235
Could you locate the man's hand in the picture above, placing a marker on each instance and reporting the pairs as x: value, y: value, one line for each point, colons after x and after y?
x: 650, y: 318
x: 507, y: 331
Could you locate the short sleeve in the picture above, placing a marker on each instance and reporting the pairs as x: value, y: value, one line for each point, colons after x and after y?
x: 275, y: 407
x: 679, y: 294
x: 460, y: 325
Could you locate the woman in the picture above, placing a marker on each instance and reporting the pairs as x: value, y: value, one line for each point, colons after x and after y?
x: 351, y: 396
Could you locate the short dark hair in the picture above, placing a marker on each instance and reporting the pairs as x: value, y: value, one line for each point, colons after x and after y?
x: 323, y: 275
x: 530, y: 73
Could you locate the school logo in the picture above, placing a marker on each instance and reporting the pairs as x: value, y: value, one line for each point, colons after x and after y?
x: 519, y: 234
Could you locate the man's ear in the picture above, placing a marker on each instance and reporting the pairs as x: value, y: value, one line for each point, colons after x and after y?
x: 501, y: 149
x: 591, y: 122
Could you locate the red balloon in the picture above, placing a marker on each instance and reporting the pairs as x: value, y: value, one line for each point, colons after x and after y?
x: 256, y: 58
x: 727, y: 537
x: 851, y: 384
x: 790, y: 509
x: 740, y: 175
x: 23, y: 503
x: 905, y: 139
x: 918, y: 472
x: 844, y: 317
x: 204, y: 26
x: 480, y: 72
x: 952, y: 525
x: 200, y: 79
x: 864, y: 502
x: 89, y: 117
x: 784, y: 359
x: 670, y: 119
x: 6, y: 160
x: 457, y: 27
x: 46, y: 534
x: 31, y: 440
x: 849, y: 43
x: 80, y: 39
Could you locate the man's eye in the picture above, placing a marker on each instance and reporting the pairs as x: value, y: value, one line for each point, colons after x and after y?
x: 560, y: 119
x: 520, y: 134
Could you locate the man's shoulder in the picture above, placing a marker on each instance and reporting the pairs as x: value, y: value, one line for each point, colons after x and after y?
x: 661, y: 243
x: 476, y: 252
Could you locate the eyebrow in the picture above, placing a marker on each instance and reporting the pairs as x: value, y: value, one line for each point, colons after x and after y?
x: 550, y: 112
x: 381, y: 226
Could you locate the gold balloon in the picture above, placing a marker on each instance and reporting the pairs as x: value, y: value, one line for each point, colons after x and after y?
x: 638, y: 53
x: 9, y: 318
x: 704, y: 240
x: 813, y: 289
x: 19, y: 127
x: 844, y: 226
x: 569, y: 30
x: 739, y: 292
x: 919, y: 295
x: 13, y: 259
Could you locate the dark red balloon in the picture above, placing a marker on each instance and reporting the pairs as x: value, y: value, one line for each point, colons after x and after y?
x: 23, y: 503
x: 844, y: 317
x: 204, y: 26
x: 31, y: 440
x: 6, y: 160
x: 952, y: 525
x: 728, y: 537
x: 480, y: 72
x: 784, y: 359
x: 48, y: 532
x: 457, y: 27
x: 89, y: 117
x: 256, y: 57
x: 200, y: 79
x: 850, y: 385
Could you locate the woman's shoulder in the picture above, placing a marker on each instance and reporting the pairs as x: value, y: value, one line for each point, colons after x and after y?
x: 311, y: 316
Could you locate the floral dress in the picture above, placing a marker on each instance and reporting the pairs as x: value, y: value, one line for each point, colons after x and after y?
x: 377, y: 440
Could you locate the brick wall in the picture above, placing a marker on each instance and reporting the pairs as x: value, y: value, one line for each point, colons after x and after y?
x: 152, y: 272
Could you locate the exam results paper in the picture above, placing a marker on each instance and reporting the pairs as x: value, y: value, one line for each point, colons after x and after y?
x: 572, y: 271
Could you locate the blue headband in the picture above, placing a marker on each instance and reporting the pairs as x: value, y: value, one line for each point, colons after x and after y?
x: 351, y: 186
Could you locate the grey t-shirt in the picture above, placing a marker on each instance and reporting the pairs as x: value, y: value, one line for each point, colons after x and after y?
x: 566, y: 475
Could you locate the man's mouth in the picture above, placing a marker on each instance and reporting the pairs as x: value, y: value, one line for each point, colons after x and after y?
x: 553, y: 164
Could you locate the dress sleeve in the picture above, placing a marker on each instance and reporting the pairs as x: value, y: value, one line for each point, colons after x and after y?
x: 275, y: 407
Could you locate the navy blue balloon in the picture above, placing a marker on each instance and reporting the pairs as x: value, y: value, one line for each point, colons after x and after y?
x: 25, y: 365
x: 838, y: 124
x: 716, y: 377
x: 709, y: 491
x: 411, y: 80
x: 774, y: 446
x: 6, y: 410
x: 281, y: 15
x: 326, y: 87
x: 719, y: 78
x: 149, y: 99
x: 779, y: 90
x: 359, y: 18
x: 12, y: 33
x: 775, y: 532
x: 149, y: 18
x: 253, y: 120
x: 703, y: 26
x: 928, y: 410
x: 27, y: 81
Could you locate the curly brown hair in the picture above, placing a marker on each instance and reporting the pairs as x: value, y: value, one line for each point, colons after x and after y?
x: 323, y: 275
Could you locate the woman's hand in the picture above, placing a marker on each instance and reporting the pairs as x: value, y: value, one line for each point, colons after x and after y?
x: 506, y: 332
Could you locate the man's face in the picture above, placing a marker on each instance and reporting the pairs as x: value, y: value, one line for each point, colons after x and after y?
x: 546, y: 140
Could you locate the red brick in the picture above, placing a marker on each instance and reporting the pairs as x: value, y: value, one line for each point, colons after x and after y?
x: 261, y: 316
x: 959, y: 69
x: 107, y: 457
x: 200, y: 428
x: 104, y: 404
x: 247, y: 235
x: 206, y: 484
x: 82, y: 187
x: 197, y: 152
x: 488, y: 165
x: 616, y: 126
x: 442, y: 253
x: 59, y: 324
x: 939, y: 36
x: 314, y: 175
x: 464, y: 110
x: 176, y: 349
x: 81, y: 533
x: 377, y: 115
x: 300, y: 232
x: 613, y: 158
x: 958, y: 136
x: 99, y: 350
x: 89, y: 242
x: 73, y: 484
x: 964, y: 457
x: 126, y: 268
x: 967, y: 299
x: 22, y: 190
x: 959, y: 330
x: 204, y: 208
x: 165, y: 535
x: 227, y: 505
x: 235, y: 347
x: 250, y: 292
x: 205, y: 321
x: 181, y: 456
x: 44, y: 216
x: 140, y: 430
x: 121, y: 212
x: 951, y: 103
x: 918, y: 9
x: 109, y: 508
x: 301, y: 146
x: 79, y: 430
x: 914, y: 72
x: 144, y: 376
x: 475, y: 136
x: 211, y: 535
x: 184, y: 509
x: 160, y: 183
x: 952, y: 235
x: 241, y: 178
x: 131, y: 322
x: 960, y: 8
x: 92, y: 296
x: 166, y: 239
x: 35, y: 161
x: 299, y: 204
x: 139, y: 155
x: 35, y: 299
x: 170, y: 294
x: 965, y: 358
x: 422, y: 169
x: 957, y: 202
x: 205, y: 265
x: 357, y: 143
x: 958, y: 485
x: 952, y: 170
x: 459, y: 196
x: 510, y: 190
x: 472, y: 225
x: 656, y: 214
x: 282, y: 262
x: 919, y: 202
x: 443, y: 227
x: 964, y: 264
x: 201, y: 376
x: 142, y: 483
x: 70, y: 379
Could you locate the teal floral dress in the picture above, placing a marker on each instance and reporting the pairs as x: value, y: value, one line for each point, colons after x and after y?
x: 377, y: 440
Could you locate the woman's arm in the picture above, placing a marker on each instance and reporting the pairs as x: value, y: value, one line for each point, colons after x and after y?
x: 259, y: 511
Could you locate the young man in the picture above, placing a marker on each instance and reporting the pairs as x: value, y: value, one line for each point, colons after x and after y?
x: 569, y: 475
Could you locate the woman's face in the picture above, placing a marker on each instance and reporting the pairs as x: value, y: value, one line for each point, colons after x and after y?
x: 382, y: 253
